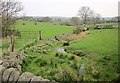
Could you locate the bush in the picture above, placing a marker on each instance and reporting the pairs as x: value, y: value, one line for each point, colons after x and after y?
x: 78, y: 53
x: 65, y: 75
x: 75, y: 66
x: 38, y: 60
x: 106, y: 57
x: 23, y: 24
x: 57, y: 54
x: 43, y: 63
x: 44, y: 51
x: 62, y: 56
x: 77, y: 31
x: 72, y: 58
x: 61, y: 61
x: 66, y: 44
x: 67, y: 23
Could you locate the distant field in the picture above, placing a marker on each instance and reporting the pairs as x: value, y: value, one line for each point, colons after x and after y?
x: 92, y: 27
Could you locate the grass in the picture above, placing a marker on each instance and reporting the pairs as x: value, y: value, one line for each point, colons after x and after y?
x: 103, y: 41
x: 101, y: 49
x: 51, y: 67
x: 48, y: 30
x: 101, y: 46
x: 91, y: 26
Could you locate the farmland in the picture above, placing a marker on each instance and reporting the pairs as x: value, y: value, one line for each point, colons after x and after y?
x: 59, y: 41
x: 99, y: 53
x: 48, y: 30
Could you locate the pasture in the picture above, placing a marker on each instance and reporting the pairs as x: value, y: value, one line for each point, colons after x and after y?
x: 98, y: 53
x: 30, y: 31
x: 101, y: 46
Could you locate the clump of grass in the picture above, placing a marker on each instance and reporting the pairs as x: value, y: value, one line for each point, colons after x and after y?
x: 42, y: 63
x: 72, y: 57
x: 65, y: 75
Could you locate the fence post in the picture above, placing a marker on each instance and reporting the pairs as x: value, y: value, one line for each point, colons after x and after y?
x: 29, y: 37
x: 11, y: 47
x: 12, y: 42
x: 40, y: 35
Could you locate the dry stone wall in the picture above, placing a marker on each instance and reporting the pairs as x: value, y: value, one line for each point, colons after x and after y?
x: 10, y: 70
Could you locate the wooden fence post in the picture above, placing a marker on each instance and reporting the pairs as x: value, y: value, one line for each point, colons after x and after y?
x: 40, y: 37
x: 29, y: 37
x: 12, y: 42
x: 11, y: 47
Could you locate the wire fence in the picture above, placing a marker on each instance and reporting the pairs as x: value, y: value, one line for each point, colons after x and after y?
x: 20, y: 40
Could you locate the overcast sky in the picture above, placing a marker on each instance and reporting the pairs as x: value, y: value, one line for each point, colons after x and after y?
x: 68, y: 8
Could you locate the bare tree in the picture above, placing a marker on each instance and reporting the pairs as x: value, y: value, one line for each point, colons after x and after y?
x: 84, y: 13
x: 95, y: 17
x: 75, y: 21
x: 9, y: 9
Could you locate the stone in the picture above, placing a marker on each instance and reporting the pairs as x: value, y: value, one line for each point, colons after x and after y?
x: 1, y: 72
x: 61, y: 50
x: 36, y: 79
x: 57, y: 38
x: 45, y: 80
x: 6, y: 63
x: 25, y: 77
x: 1, y: 62
x: 12, y: 54
x: 7, y: 73
x: 16, y: 76
x: 11, y: 78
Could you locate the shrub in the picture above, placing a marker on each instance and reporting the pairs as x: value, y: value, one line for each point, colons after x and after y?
x: 65, y: 75
x: 38, y: 60
x: 67, y: 23
x: 62, y: 56
x: 75, y: 66
x: 57, y: 54
x: 43, y: 63
x: 78, y: 53
x: 66, y: 44
x: 72, y: 58
x: 106, y: 57
x: 61, y: 61
x: 23, y: 23
x: 45, y: 51
x: 77, y: 31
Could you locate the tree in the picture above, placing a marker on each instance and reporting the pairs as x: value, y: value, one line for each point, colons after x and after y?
x: 75, y: 21
x: 95, y: 17
x: 46, y: 19
x: 116, y: 19
x: 9, y: 11
x: 84, y: 13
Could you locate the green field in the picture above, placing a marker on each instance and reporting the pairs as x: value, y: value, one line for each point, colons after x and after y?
x: 48, y: 30
x: 101, y: 46
x: 99, y: 50
x: 100, y: 60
